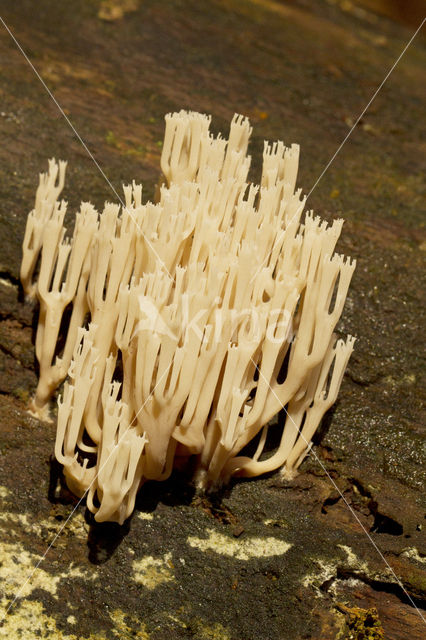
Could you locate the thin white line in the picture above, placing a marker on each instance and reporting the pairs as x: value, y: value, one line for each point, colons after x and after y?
x: 84, y: 145
x: 56, y: 536
x: 342, y: 496
x: 348, y: 134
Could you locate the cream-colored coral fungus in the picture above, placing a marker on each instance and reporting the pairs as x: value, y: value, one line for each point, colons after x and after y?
x: 192, y: 321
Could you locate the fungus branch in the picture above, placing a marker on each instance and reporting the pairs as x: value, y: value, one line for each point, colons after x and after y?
x: 193, y: 320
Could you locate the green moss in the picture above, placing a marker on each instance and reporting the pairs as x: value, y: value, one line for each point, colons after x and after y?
x: 140, y: 150
x: 111, y: 139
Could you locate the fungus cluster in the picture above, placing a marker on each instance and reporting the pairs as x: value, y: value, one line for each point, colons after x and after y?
x: 181, y: 328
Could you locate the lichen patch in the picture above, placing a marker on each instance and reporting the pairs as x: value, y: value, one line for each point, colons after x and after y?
x: 143, y: 515
x: 75, y: 526
x: 151, y: 572
x: 44, y: 528
x: 413, y: 554
x: 352, y: 560
x: 20, y: 574
x: 4, y: 493
x: 327, y: 571
x: 127, y: 626
x: 324, y: 571
x: 22, y: 519
x: 205, y: 631
x: 241, y: 549
x: 29, y: 620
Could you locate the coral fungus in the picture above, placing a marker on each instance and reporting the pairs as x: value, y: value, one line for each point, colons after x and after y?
x: 192, y: 321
